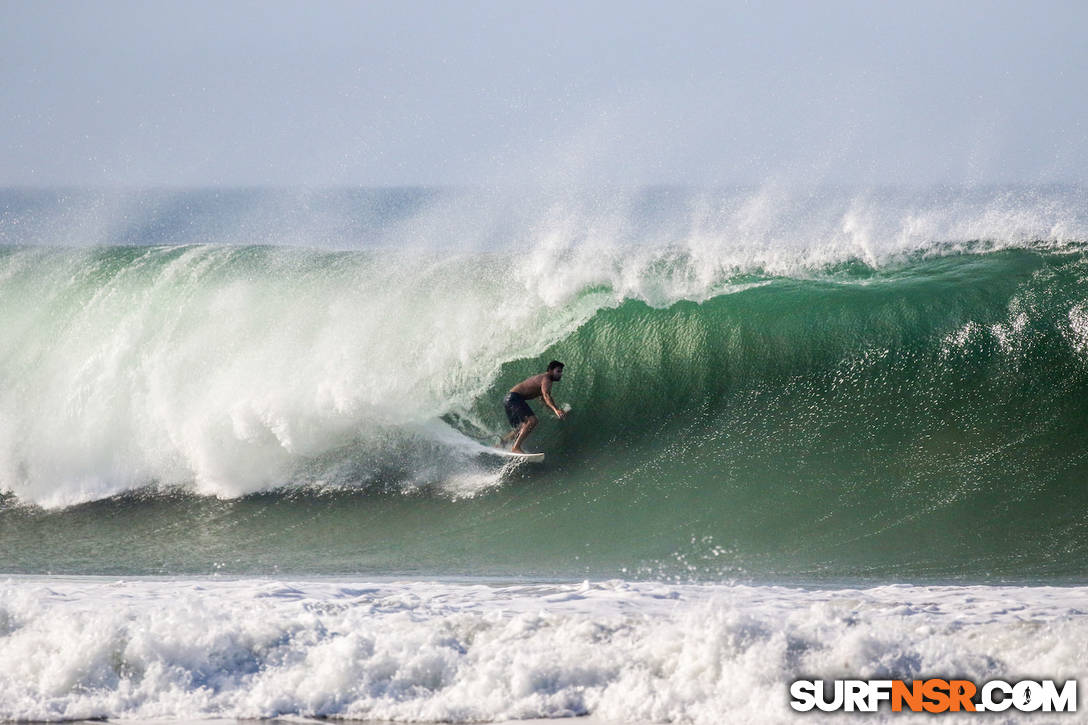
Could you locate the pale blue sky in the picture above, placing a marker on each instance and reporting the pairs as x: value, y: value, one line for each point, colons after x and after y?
x: 564, y: 93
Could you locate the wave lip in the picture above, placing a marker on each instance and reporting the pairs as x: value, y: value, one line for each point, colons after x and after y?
x: 416, y: 651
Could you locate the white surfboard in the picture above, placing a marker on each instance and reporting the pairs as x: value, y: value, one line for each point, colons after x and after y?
x: 526, y: 457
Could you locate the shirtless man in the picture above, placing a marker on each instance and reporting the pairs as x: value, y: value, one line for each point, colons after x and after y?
x: 519, y: 413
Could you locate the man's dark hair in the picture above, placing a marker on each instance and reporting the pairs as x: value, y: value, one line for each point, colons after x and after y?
x: 554, y: 364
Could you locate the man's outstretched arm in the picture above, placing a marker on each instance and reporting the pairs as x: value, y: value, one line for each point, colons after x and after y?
x: 546, y: 393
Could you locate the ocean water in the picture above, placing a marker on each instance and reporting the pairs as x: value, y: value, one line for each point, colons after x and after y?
x: 244, y: 434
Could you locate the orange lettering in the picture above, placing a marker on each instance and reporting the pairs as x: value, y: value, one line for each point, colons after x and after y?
x: 936, y: 691
x: 912, y: 696
x: 961, y: 693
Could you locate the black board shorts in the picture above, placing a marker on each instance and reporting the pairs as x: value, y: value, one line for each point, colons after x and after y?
x: 517, y: 410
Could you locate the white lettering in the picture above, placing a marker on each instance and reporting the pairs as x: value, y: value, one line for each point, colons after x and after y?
x: 1027, y: 696
x: 1065, y: 701
x: 988, y: 701
x: 879, y: 690
x: 855, y: 696
x: 836, y: 702
x: 804, y: 695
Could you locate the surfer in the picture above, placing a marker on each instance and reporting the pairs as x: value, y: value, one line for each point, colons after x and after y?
x: 519, y: 413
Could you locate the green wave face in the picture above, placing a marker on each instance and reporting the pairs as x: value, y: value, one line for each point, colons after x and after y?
x: 923, y: 420
x: 929, y: 420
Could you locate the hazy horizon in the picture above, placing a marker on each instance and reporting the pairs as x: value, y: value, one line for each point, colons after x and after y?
x: 496, y: 95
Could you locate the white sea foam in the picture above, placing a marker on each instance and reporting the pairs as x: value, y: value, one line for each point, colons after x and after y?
x: 230, y: 371
x: 417, y: 651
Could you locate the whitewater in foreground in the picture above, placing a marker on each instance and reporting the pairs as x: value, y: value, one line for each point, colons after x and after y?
x: 85, y: 647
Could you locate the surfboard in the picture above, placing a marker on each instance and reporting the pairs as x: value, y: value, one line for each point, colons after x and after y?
x: 526, y: 457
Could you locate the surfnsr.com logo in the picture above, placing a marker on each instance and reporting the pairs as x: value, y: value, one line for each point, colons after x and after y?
x: 933, y: 695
